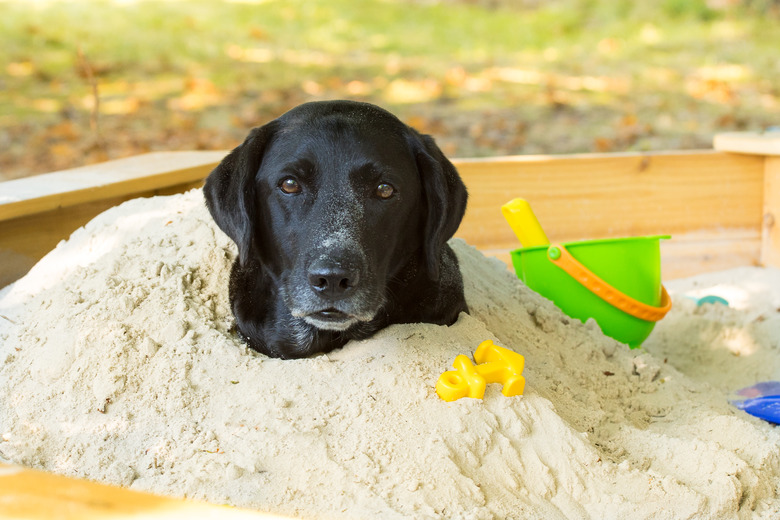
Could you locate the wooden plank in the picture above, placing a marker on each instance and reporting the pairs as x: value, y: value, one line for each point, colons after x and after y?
x: 35, y: 495
x: 767, y: 145
x: 770, y: 244
x: 613, y: 195
x: 756, y: 143
x: 700, y: 252
x: 119, y: 178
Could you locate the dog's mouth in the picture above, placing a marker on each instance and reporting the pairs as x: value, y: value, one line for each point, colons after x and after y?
x: 331, y: 314
x: 331, y: 319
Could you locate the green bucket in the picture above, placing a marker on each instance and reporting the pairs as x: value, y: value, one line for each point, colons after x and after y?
x: 615, y: 281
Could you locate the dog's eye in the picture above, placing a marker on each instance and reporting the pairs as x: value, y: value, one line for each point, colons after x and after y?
x: 290, y: 186
x: 385, y: 191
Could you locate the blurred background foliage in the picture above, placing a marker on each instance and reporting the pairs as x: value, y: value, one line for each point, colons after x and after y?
x: 86, y: 81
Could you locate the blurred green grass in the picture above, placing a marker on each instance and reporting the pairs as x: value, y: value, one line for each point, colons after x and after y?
x: 485, y: 78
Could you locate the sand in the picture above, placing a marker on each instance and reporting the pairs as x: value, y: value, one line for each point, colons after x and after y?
x: 117, y: 363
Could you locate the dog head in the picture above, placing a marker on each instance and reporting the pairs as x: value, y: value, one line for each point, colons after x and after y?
x: 333, y: 200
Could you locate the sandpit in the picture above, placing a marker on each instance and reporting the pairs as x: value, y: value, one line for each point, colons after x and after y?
x: 118, y: 364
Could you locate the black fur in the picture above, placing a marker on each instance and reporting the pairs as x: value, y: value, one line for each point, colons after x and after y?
x: 336, y: 260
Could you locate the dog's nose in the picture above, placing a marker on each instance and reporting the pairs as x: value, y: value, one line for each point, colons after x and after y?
x: 331, y: 280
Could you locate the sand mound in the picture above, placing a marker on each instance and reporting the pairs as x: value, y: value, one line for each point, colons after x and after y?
x: 117, y: 364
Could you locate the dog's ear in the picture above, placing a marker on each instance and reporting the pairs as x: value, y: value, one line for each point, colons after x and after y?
x: 445, y: 200
x: 230, y: 190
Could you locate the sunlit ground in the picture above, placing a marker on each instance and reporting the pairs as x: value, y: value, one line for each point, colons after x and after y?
x: 84, y: 81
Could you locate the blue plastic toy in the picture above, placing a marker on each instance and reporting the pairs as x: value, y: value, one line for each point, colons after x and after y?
x: 761, y: 400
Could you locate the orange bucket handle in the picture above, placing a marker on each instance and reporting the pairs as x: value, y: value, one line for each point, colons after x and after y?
x: 561, y: 257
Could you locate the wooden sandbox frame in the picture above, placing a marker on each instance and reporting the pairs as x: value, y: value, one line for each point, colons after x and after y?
x: 721, y: 206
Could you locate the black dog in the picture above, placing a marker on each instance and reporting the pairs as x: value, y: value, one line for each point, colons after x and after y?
x: 341, y: 214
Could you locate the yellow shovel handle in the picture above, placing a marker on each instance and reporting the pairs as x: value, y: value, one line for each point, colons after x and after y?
x: 524, y: 223
x: 561, y: 257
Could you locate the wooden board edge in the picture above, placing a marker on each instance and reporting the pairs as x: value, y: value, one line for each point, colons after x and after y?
x: 106, y: 180
x: 535, y: 158
x: 756, y: 143
x: 770, y: 244
x: 27, y: 494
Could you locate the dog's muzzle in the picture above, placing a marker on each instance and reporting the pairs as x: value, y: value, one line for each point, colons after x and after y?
x: 336, y: 295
